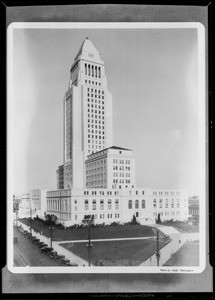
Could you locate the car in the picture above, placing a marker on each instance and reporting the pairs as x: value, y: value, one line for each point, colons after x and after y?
x: 73, y: 265
x: 64, y: 262
x: 35, y: 241
x: 53, y: 254
x: 46, y: 250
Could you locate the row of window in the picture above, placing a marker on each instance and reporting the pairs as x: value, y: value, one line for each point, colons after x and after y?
x: 92, y: 82
x: 166, y: 213
x: 96, y: 176
x: 160, y: 203
x: 95, y: 102
x: 62, y: 204
x: 136, y: 204
x: 96, y: 183
x: 115, y: 174
x: 95, y: 91
x: 101, y: 193
x: 101, y: 202
x: 121, y: 161
x: 121, y: 168
x: 96, y: 163
x: 121, y: 181
x: 92, y: 70
x: 166, y: 193
x: 96, y: 122
x: 102, y: 216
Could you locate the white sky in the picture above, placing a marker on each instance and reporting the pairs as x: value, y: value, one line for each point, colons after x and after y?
x: 153, y: 77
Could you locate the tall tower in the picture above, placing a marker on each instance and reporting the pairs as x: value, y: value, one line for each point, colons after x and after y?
x: 88, y: 124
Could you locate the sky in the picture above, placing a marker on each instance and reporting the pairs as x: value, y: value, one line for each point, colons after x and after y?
x: 152, y: 75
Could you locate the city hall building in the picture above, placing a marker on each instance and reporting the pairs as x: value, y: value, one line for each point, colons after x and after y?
x: 98, y: 178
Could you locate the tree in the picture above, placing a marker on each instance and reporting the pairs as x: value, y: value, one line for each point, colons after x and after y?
x: 50, y: 220
x: 88, y: 220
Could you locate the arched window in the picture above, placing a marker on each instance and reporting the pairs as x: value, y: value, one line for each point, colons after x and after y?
x: 143, y: 204
x: 130, y: 204
x: 85, y: 69
x: 88, y: 70
x: 136, y: 204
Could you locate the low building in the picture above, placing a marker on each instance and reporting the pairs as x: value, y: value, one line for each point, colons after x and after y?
x: 117, y: 205
x: 194, y: 210
x: 38, y: 203
x: 25, y: 201
x: 111, y: 168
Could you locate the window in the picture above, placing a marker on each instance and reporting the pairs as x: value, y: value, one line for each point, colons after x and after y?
x: 143, y: 204
x: 116, y: 204
x: 136, y: 204
x: 101, y: 204
x: 166, y: 203
x: 86, y: 204
x: 154, y: 203
x: 94, y: 204
x: 130, y: 204
x: 178, y: 203
x: 109, y: 204
x: 160, y: 203
x: 172, y: 203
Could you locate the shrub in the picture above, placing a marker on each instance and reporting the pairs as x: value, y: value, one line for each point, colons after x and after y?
x: 115, y: 224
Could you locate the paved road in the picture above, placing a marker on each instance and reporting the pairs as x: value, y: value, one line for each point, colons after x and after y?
x: 28, y: 254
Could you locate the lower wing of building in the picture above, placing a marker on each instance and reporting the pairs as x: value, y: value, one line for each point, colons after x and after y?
x: 118, y: 205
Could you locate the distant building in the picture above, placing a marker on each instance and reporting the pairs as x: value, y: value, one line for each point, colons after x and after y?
x: 60, y: 177
x: 194, y: 210
x: 111, y: 168
x: 38, y: 202
x: 25, y: 201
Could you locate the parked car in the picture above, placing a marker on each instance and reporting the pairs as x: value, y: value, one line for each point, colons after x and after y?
x: 53, y: 254
x: 46, y: 250
x: 73, y: 265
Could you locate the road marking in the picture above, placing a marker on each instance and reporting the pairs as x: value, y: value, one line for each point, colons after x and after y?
x: 21, y: 257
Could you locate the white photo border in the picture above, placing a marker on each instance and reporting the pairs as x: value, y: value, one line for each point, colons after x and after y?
x: 202, y: 145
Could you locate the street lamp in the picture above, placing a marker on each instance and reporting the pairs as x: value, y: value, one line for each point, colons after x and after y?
x: 157, y: 251
x: 51, y: 228
x: 89, y: 219
x: 31, y: 220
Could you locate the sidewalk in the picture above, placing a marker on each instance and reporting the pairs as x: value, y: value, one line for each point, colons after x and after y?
x: 178, y: 240
x: 56, y: 247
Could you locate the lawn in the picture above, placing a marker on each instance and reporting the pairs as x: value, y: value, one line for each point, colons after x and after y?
x: 104, y: 232
x: 187, y: 255
x: 183, y: 226
x: 116, y: 253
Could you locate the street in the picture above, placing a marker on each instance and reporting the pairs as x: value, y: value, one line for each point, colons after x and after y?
x: 28, y: 254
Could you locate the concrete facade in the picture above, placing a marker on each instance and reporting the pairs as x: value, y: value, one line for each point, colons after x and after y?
x: 87, y: 114
x: 60, y: 177
x: 111, y: 168
x: 116, y: 205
